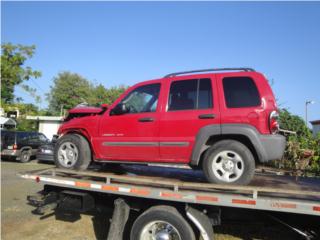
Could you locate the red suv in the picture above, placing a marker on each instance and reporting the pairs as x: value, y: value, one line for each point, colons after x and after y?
x: 223, y: 121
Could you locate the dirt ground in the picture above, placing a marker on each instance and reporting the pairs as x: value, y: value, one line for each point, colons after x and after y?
x: 18, y: 221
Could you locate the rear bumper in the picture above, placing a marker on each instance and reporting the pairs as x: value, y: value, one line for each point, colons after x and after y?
x: 273, y: 146
x: 10, y: 153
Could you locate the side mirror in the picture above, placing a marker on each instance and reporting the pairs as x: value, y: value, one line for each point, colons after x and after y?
x: 54, y: 138
x: 119, y: 109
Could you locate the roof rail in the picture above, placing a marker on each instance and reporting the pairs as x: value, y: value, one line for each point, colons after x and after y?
x: 245, y: 69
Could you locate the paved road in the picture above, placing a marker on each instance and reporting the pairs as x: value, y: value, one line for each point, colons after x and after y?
x: 19, y: 223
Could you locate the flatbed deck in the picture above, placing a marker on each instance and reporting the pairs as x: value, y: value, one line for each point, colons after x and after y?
x: 266, y: 192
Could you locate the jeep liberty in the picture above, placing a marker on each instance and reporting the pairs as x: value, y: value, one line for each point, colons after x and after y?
x: 223, y: 121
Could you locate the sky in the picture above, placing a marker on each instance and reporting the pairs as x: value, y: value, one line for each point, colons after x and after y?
x: 122, y: 43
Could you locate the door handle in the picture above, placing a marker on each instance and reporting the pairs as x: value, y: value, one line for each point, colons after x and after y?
x: 207, y: 116
x: 146, y: 119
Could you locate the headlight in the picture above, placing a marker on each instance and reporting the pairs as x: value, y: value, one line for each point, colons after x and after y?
x: 47, y: 151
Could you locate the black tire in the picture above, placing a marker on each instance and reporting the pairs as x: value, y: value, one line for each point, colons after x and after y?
x: 25, y: 156
x: 212, y: 154
x: 165, y: 214
x: 83, y: 159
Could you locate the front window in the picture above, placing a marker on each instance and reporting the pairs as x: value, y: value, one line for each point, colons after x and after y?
x: 43, y: 138
x: 143, y: 99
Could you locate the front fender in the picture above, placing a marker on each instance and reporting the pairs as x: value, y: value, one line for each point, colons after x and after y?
x: 80, y: 131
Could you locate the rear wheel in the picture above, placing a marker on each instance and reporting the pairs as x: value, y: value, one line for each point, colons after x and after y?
x: 25, y: 156
x: 159, y: 223
x: 229, y: 162
x: 72, y: 151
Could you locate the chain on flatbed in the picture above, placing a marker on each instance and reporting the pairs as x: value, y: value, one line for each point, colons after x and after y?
x: 263, y: 198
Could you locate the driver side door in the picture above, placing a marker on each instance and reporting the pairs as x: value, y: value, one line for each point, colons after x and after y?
x: 133, y: 136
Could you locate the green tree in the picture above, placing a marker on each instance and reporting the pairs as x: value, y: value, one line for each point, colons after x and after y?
x: 71, y: 89
x: 100, y: 94
x: 113, y: 93
x: 68, y: 90
x: 303, y: 150
x: 294, y: 123
x: 13, y: 71
x: 26, y: 125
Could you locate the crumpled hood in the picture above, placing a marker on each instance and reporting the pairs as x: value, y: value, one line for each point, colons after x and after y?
x: 85, y: 110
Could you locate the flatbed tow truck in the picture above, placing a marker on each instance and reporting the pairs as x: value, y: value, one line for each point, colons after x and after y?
x: 170, y: 205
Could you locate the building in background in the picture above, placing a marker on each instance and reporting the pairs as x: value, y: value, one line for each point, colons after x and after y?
x: 48, y: 125
x: 315, y: 127
x: 7, y: 123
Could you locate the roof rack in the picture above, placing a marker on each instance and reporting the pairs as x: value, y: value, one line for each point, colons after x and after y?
x: 211, y: 70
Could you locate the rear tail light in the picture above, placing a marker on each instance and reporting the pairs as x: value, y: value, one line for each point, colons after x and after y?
x: 273, y: 122
x: 15, y: 147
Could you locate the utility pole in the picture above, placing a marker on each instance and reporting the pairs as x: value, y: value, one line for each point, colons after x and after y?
x: 61, y: 110
x: 307, y: 103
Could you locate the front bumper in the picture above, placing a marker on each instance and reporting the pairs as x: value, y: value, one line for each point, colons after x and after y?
x: 45, y: 157
x: 273, y: 146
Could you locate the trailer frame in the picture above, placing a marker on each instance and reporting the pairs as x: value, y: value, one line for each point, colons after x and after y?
x: 261, y: 198
x: 83, y: 183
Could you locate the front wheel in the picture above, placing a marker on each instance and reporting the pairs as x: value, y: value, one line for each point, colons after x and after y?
x: 229, y: 162
x: 72, y: 151
x: 161, y: 222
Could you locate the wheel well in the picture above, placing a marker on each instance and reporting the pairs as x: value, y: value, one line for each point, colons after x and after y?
x: 86, y: 138
x: 240, y: 138
x: 25, y: 149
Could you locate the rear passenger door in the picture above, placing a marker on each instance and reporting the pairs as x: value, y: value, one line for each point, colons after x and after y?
x: 190, y: 104
x: 23, y: 139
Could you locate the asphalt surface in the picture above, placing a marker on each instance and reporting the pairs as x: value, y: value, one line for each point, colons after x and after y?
x: 18, y: 221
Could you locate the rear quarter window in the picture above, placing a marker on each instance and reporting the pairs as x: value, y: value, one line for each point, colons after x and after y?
x: 8, y: 138
x: 240, y: 92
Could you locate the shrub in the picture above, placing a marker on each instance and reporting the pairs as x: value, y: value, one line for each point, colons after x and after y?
x: 302, y: 150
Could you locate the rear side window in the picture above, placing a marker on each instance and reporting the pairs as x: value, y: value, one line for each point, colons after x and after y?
x: 190, y: 94
x: 23, y: 137
x: 33, y: 137
x: 240, y: 92
x: 205, y: 94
